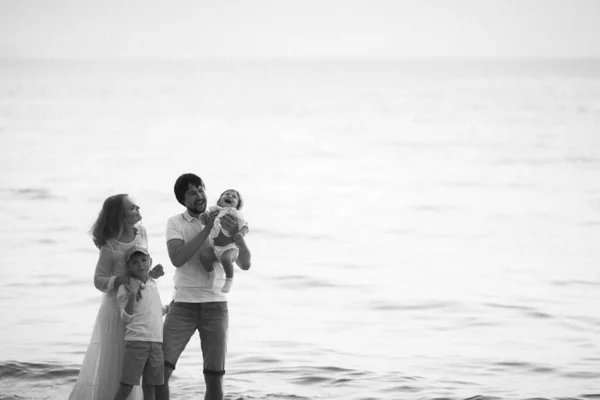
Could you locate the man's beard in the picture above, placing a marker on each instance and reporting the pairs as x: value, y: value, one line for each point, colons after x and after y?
x: 197, y: 209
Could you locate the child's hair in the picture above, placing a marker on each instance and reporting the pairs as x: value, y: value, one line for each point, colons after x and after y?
x: 109, y: 223
x: 182, y: 183
x: 240, y: 200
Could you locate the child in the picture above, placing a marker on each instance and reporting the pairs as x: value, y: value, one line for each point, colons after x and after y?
x: 142, y: 312
x: 223, y: 247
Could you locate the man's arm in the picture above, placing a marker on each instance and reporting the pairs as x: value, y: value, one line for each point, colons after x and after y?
x: 244, y: 258
x: 180, y: 251
x: 230, y: 223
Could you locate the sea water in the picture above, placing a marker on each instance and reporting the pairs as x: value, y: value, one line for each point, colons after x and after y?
x: 420, y: 229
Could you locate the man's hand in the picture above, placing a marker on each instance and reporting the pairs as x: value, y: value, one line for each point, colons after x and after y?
x: 203, y: 218
x: 156, y: 272
x: 230, y: 224
x: 237, y: 238
x: 210, y: 219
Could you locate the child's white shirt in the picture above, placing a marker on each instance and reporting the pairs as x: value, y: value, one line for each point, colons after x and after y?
x: 146, y: 323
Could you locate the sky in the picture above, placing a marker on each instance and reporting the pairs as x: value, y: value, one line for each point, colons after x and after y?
x: 299, y: 28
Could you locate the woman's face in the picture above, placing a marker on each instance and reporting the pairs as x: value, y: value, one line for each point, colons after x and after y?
x: 131, y: 211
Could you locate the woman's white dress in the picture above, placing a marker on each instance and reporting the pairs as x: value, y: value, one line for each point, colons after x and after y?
x: 99, y: 375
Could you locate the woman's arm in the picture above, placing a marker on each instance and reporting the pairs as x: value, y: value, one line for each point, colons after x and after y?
x: 103, y: 275
x: 104, y: 279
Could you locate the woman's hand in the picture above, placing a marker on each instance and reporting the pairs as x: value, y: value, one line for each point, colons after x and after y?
x: 121, y: 280
x: 156, y: 272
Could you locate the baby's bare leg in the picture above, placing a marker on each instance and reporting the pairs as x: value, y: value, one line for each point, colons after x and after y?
x: 227, y: 259
x: 207, y: 258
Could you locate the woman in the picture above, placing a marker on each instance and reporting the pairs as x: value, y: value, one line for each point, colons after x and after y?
x: 115, y: 231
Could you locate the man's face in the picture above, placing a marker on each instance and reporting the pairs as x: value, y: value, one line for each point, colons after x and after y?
x: 139, y: 265
x: 195, y: 199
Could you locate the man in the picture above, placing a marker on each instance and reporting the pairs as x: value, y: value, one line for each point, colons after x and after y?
x: 196, y: 305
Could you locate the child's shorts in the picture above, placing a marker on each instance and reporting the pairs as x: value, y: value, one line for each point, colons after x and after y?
x: 142, y: 359
x: 219, y: 250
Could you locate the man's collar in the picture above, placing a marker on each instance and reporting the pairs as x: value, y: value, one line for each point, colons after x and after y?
x: 188, y: 217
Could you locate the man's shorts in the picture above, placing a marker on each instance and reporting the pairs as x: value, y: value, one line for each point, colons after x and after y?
x: 142, y: 359
x: 211, y: 320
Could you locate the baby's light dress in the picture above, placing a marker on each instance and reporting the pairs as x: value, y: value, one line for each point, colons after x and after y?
x: 99, y: 374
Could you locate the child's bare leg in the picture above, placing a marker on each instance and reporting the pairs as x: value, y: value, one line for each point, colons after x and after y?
x: 227, y: 259
x: 123, y: 391
x: 207, y: 258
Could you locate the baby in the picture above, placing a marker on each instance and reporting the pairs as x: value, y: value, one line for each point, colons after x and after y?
x: 223, y: 247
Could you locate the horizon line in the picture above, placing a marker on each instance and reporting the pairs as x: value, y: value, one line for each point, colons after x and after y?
x: 296, y: 58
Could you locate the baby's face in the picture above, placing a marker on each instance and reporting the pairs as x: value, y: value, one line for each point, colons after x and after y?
x: 229, y: 199
x: 139, y: 265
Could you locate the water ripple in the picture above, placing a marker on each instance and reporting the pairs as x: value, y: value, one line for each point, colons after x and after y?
x: 29, y: 193
x: 304, y: 282
x: 35, y: 371
x: 529, y: 367
x: 526, y: 310
x: 422, y: 306
x: 291, y: 235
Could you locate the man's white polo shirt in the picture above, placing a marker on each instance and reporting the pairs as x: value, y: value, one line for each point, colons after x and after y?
x: 190, y: 280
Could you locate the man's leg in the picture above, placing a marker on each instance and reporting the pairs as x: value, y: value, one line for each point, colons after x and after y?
x: 214, y: 326
x: 180, y: 324
x: 214, y: 387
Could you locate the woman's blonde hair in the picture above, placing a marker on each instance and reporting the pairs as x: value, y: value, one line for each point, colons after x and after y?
x: 109, y: 223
